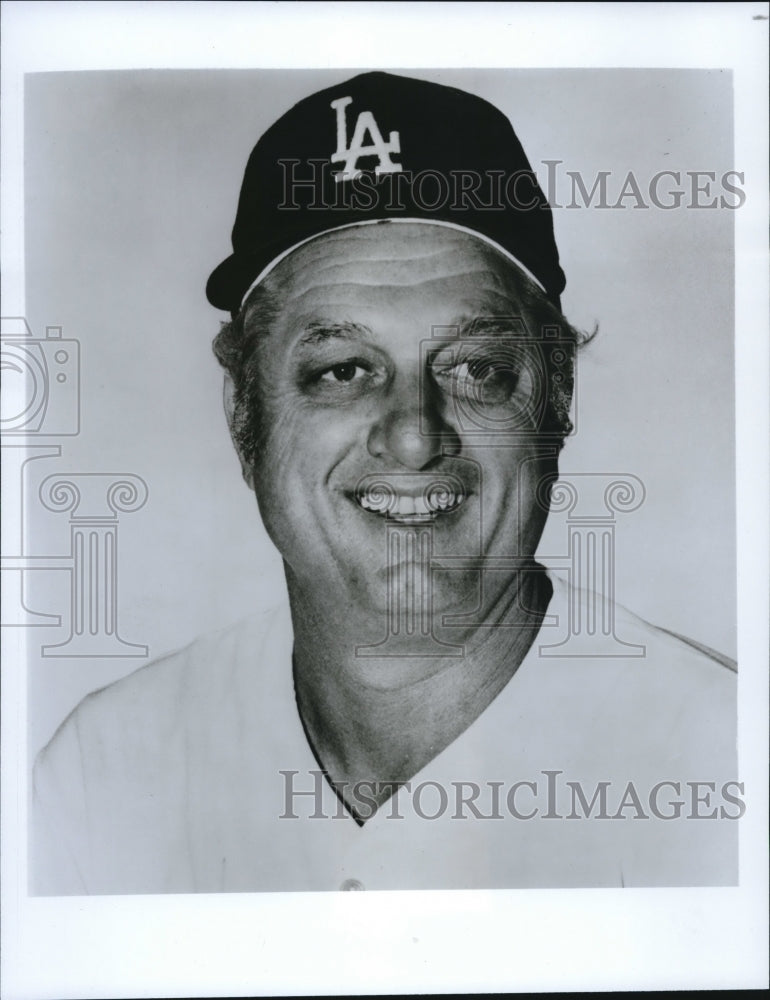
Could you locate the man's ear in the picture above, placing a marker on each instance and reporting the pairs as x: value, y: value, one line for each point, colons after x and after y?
x: 229, y: 404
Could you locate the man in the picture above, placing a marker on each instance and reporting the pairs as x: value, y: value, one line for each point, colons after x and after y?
x: 398, y: 381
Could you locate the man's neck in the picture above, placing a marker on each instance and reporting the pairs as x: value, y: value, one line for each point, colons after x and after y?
x: 377, y: 721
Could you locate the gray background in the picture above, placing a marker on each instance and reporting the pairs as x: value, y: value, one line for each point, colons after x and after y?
x: 132, y: 181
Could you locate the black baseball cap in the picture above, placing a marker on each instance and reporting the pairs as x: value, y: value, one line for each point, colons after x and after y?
x: 381, y: 146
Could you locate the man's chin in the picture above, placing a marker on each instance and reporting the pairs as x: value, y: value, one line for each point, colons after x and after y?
x: 408, y: 592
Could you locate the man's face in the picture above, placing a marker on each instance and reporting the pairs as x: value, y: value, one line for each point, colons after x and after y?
x: 389, y: 362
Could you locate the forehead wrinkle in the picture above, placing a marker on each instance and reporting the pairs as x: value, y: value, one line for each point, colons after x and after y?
x: 417, y: 242
x: 486, y: 277
x: 402, y: 266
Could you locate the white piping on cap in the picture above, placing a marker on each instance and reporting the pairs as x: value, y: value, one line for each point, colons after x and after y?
x: 372, y: 222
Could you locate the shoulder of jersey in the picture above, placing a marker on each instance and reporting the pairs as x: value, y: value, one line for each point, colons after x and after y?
x: 154, y: 704
x: 633, y: 629
x: 672, y: 680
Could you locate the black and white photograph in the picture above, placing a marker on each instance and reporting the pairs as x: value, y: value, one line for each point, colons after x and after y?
x: 379, y: 512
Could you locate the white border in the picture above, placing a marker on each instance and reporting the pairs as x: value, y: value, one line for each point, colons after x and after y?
x: 414, y: 942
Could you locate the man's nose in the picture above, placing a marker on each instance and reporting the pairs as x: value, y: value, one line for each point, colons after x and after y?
x: 412, y: 429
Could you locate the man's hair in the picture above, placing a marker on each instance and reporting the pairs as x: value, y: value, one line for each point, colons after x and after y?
x: 235, y: 348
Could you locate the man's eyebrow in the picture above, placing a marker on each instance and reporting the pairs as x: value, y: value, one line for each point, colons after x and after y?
x: 319, y: 331
x: 488, y: 326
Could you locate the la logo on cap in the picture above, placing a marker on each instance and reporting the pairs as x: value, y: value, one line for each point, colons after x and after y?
x: 349, y: 155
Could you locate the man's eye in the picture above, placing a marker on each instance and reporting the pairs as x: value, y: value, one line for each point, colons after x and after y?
x: 470, y: 371
x: 341, y: 382
x: 488, y: 381
x: 348, y: 371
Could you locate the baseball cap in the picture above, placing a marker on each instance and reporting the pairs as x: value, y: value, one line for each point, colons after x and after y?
x: 386, y: 147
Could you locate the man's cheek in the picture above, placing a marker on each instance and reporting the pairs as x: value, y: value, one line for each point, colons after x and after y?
x: 286, y: 435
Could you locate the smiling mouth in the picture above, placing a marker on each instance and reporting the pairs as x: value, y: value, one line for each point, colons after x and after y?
x: 410, y: 503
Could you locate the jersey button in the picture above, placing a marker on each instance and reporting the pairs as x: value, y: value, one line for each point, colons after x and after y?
x: 352, y: 884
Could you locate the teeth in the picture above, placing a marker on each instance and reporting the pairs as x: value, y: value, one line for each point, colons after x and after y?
x: 407, y: 506
x: 369, y: 503
x: 443, y: 501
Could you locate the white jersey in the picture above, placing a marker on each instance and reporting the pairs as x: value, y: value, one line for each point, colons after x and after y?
x: 194, y: 774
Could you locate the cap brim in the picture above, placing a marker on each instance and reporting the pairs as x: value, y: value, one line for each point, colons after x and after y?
x: 222, y: 288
